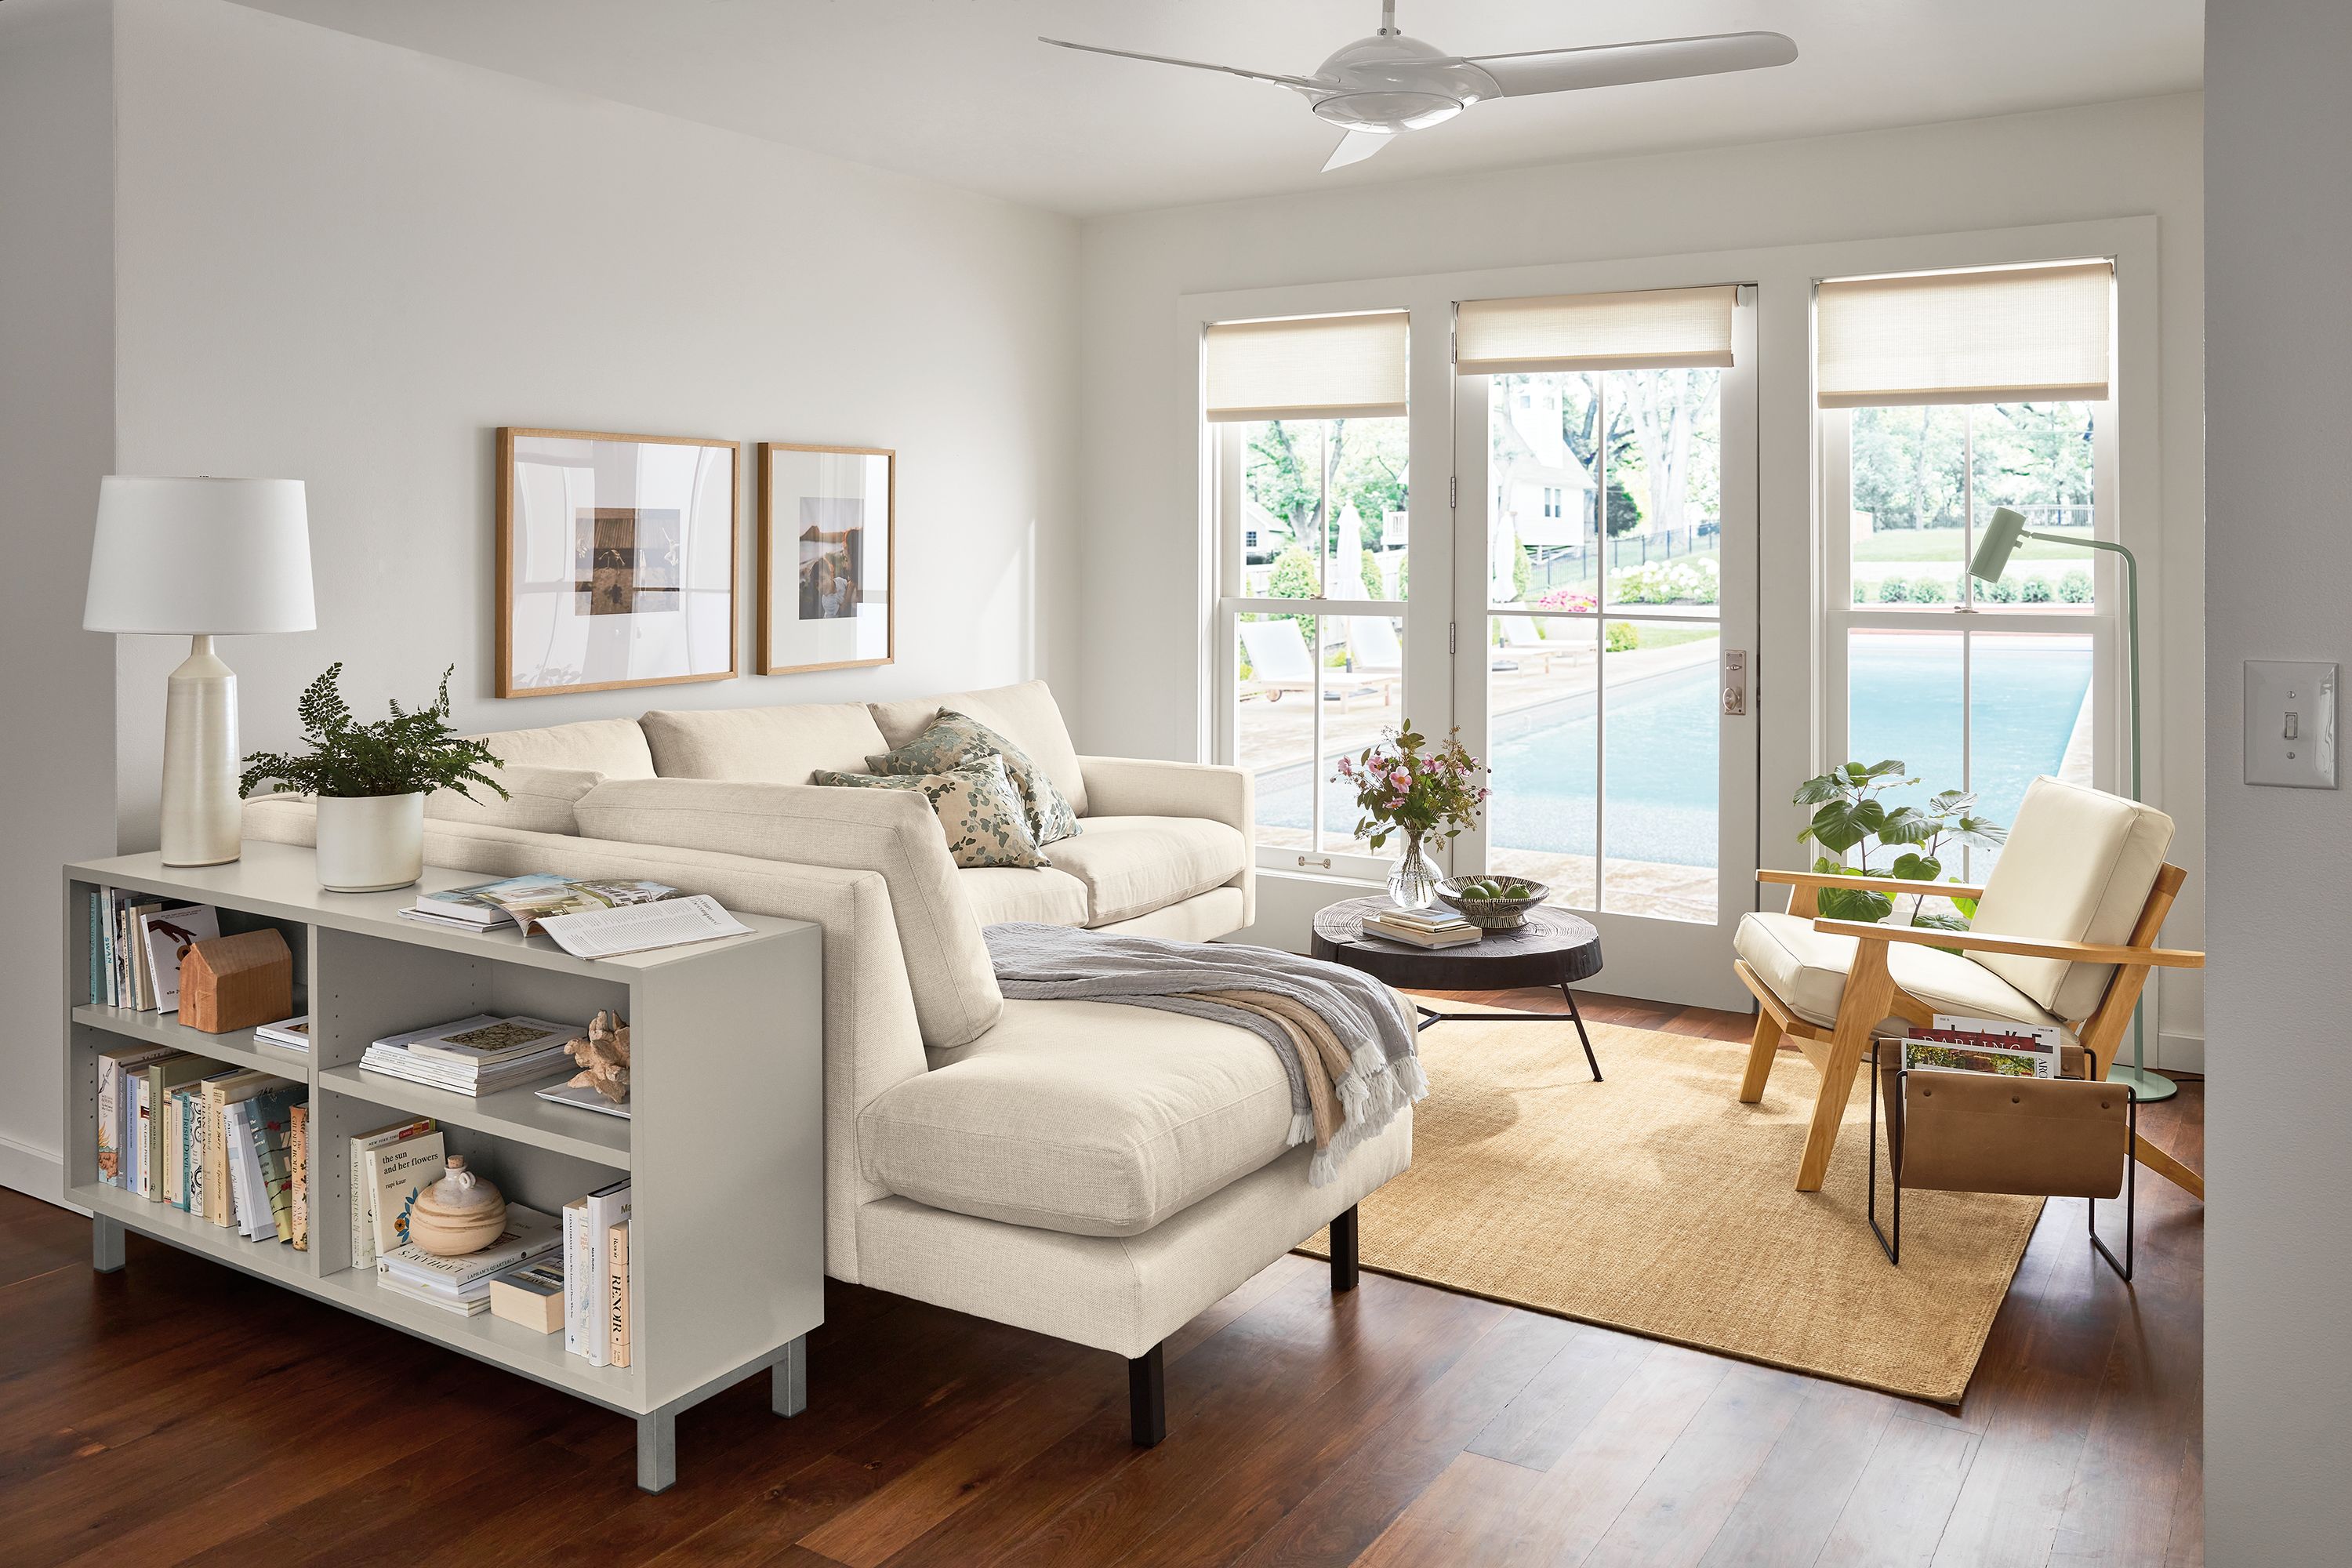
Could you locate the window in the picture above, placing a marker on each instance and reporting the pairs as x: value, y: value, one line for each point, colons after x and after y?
x: 1947, y: 396
x: 1551, y: 492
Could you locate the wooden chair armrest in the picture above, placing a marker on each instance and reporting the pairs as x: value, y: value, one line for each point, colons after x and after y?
x: 2023, y: 946
x: 1872, y: 884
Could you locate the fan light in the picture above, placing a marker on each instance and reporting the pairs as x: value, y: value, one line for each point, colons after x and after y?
x: 1387, y: 109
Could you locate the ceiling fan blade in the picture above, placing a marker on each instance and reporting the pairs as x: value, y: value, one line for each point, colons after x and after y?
x: 1298, y: 81
x: 1613, y: 65
x: 1355, y: 147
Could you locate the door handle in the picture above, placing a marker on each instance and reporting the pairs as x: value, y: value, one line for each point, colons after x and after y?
x: 1735, y: 683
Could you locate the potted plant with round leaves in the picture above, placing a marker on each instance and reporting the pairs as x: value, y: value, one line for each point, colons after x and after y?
x: 371, y: 781
x: 1850, y: 815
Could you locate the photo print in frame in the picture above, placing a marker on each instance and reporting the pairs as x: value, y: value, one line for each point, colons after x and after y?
x: 616, y: 560
x: 828, y: 556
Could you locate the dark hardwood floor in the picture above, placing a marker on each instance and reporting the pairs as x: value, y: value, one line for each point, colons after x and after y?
x: 179, y: 1411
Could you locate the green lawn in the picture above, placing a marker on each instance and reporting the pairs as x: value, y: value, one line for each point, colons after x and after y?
x: 1944, y: 546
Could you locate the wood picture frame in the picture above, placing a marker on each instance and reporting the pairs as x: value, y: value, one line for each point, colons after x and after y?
x: 585, y: 562
x: 805, y: 630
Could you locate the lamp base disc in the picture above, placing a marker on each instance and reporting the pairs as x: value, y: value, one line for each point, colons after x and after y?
x: 2148, y: 1086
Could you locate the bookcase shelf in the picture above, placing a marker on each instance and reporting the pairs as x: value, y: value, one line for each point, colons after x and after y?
x: 724, y: 1147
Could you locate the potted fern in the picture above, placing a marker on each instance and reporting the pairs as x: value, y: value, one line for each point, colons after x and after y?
x: 371, y: 781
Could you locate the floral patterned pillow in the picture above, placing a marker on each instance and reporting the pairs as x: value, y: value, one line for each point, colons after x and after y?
x: 957, y: 740
x: 977, y: 808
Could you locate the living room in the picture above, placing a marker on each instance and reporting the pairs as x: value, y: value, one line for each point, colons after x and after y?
x: 1667, y: 430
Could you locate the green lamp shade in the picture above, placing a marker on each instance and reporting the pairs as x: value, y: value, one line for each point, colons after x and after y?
x: 1993, y: 551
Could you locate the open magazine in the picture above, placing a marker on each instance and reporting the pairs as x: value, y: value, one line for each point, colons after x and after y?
x: 525, y: 902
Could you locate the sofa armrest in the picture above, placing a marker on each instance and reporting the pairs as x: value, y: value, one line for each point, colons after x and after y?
x: 1140, y: 787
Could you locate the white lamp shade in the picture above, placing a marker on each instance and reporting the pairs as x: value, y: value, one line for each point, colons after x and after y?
x: 200, y: 557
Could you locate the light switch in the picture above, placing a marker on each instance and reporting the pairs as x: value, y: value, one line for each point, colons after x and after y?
x: 2290, y: 724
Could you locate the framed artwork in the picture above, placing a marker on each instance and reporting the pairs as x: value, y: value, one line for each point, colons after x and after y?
x: 828, y: 556
x: 616, y: 561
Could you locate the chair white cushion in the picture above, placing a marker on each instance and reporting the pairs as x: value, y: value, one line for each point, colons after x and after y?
x: 1089, y: 1117
x: 1807, y: 968
x: 539, y: 800
x: 766, y: 745
x: 1026, y: 715
x: 2078, y: 866
x: 1039, y: 894
x: 1133, y: 865
x: 613, y: 747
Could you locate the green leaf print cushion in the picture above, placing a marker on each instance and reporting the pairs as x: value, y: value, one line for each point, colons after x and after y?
x: 977, y: 807
x: 957, y: 740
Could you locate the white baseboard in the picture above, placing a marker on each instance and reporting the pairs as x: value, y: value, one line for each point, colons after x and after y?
x: 34, y: 1171
x: 2181, y: 1053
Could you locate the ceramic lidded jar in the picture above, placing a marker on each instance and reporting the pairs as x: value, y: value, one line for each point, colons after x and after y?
x: 459, y: 1214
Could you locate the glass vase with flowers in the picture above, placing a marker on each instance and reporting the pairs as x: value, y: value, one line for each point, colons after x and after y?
x: 1406, y: 784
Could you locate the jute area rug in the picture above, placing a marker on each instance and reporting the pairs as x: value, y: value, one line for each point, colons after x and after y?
x: 1657, y: 1203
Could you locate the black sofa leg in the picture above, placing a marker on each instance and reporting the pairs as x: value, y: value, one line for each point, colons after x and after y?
x: 1147, y: 1397
x: 1343, y: 1252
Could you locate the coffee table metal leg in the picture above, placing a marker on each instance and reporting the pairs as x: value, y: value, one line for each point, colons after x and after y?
x: 1578, y: 1013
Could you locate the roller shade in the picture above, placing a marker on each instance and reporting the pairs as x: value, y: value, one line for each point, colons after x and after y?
x: 2014, y: 335
x: 1308, y: 367
x: 1657, y: 329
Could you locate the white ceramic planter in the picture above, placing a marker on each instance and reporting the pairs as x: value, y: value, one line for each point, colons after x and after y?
x: 370, y: 842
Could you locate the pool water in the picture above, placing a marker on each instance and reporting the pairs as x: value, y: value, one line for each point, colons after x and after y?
x: 1661, y: 781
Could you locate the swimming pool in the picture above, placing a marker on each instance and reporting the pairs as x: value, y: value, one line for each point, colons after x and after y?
x: 1905, y: 696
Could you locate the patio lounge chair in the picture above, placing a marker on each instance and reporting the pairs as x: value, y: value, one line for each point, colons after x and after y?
x: 1279, y: 663
x: 1373, y: 655
x: 1524, y: 643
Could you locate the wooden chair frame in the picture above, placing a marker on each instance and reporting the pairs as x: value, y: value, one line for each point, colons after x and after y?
x: 1870, y: 994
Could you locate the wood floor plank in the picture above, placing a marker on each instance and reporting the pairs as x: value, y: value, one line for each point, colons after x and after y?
x: 1679, y: 1510
x: 2017, y: 1487
x: 1537, y: 1426
x: 1469, y: 1514
x: 2121, y: 1508
x: 1895, y: 1514
x: 1785, y: 1513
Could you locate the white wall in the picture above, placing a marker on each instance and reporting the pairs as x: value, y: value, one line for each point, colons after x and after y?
x: 56, y: 434
x: 2107, y: 161
x: 2278, y: 1344
x: 348, y: 263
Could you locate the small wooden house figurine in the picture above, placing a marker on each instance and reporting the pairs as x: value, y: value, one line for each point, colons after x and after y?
x: 235, y: 982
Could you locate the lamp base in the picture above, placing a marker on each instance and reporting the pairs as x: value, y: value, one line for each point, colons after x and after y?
x: 200, y: 762
x: 2148, y: 1086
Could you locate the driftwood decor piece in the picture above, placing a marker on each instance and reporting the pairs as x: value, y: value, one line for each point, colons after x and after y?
x: 603, y: 1058
x: 235, y: 982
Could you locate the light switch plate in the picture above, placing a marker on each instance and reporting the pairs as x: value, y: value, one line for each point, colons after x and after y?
x: 2290, y: 723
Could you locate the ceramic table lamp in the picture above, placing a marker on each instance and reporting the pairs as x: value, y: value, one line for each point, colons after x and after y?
x: 202, y: 558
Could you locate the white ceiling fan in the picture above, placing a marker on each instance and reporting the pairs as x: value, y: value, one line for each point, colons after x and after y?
x: 1387, y: 84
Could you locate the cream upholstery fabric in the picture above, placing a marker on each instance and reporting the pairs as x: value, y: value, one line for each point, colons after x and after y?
x: 613, y: 747
x: 1122, y: 1294
x: 871, y: 1039
x: 1137, y: 786
x: 1204, y: 916
x: 539, y: 799
x: 2078, y: 866
x: 1807, y: 968
x: 769, y: 745
x: 1043, y: 895
x: 1026, y: 715
x: 1085, y: 1117
x: 1133, y: 865
x: 889, y: 831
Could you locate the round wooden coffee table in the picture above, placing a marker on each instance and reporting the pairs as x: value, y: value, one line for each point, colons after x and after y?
x: 1554, y: 948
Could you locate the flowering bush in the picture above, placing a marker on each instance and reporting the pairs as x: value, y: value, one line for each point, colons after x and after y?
x: 1694, y: 580
x: 1403, y: 781
x: 1573, y: 600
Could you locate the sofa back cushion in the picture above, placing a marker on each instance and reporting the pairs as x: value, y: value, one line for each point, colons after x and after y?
x: 539, y: 800
x: 889, y: 831
x: 2078, y: 866
x: 1026, y: 715
x: 762, y: 745
x: 613, y: 747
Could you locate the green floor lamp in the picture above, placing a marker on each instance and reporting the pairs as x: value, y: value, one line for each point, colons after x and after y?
x: 1993, y: 551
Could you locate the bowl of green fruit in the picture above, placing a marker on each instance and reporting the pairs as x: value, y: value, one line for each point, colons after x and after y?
x: 1494, y: 904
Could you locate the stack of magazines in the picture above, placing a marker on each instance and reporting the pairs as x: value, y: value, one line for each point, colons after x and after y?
x: 463, y: 1284
x: 524, y: 902
x: 480, y: 1055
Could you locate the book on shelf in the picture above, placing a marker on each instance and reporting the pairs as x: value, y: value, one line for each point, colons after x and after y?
x: 494, y: 1043
x: 249, y: 1204
x: 524, y: 902
x: 584, y: 1097
x: 164, y: 938
x: 1421, y: 934
x: 616, y: 1294
x: 463, y: 1284
x: 578, y: 1292
x: 592, y: 1261
x: 222, y: 1090
x: 192, y: 1151
x: 1954, y: 1044
x: 271, y: 1117
x: 362, y: 1197
x: 394, y: 1174
x: 298, y: 1208
x: 521, y: 1050
x: 154, y: 1104
x: 530, y: 1294
x: 113, y: 1064
x: 294, y: 1033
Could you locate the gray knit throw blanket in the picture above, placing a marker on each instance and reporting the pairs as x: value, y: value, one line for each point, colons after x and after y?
x: 1348, y: 1042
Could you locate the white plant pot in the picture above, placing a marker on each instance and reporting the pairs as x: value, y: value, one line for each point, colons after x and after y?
x: 370, y: 842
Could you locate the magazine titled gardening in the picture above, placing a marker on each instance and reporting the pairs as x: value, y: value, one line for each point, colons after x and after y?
x: 1954, y: 1044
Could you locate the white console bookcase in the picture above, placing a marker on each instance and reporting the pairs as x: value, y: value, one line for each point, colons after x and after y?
x: 723, y: 1150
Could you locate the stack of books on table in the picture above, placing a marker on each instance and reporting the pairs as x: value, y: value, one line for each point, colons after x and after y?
x: 463, y: 1284
x: 475, y: 1055
x: 1422, y: 927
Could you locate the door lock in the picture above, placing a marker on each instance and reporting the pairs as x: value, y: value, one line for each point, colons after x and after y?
x: 1735, y: 683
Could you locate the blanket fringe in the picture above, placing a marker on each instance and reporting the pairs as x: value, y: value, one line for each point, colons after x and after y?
x: 1323, y: 1169
x: 1302, y: 1130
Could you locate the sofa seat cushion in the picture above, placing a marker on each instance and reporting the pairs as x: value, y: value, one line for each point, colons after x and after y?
x: 1088, y: 1117
x: 1807, y: 968
x: 1041, y: 895
x: 613, y: 747
x: 1026, y: 715
x: 763, y: 745
x: 1133, y: 865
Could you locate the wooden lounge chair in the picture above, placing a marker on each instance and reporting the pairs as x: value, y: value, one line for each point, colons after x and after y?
x: 2065, y: 933
x: 1280, y: 663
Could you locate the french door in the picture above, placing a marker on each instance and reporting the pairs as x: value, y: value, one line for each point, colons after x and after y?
x: 1604, y: 621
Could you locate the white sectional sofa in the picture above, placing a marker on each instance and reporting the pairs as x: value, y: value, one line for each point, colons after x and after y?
x: 1094, y: 1171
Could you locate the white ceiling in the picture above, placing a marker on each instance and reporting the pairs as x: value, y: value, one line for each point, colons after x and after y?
x: 959, y: 91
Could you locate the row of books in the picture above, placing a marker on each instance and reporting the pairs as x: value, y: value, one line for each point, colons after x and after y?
x: 588, y: 918
x: 136, y: 942
x: 225, y: 1144
x: 597, y: 1297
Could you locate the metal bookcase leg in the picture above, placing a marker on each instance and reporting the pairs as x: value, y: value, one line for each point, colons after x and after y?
x: 788, y: 1379
x: 105, y: 1243
x: 657, y: 1449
